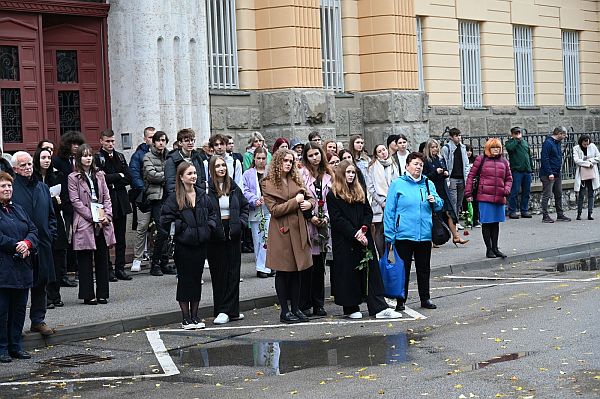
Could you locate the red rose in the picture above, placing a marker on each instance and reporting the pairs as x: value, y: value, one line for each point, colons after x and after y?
x: 283, y: 230
x: 321, y: 203
x: 466, y: 233
x: 364, y: 229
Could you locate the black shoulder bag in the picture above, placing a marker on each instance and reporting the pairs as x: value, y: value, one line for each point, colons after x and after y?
x: 440, y: 232
x: 475, y: 186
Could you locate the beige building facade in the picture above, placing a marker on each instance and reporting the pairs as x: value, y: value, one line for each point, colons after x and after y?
x: 377, y: 67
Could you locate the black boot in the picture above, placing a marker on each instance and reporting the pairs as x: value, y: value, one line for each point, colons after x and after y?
x: 111, y: 276
x: 486, y: 233
x: 590, y: 215
x: 578, y: 214
x: 155, y: 269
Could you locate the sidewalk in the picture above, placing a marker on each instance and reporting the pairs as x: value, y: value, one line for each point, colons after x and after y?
x: 148, y: 301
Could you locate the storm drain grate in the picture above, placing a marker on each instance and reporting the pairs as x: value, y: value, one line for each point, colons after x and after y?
x: 74, y: 360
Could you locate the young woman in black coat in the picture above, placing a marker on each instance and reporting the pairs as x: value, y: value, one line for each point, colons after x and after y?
x: 45, y: 172
x: 351, y: 216
x: 195, y: 220
x: 225, y: 251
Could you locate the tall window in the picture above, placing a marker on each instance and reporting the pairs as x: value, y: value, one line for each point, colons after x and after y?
x: 570, y: 47
x: 331, y: 45
x: 10, y: 95
x: 470, y: 64
x: 523, y: 44
x: 420, y: 54
x: 222, y: 44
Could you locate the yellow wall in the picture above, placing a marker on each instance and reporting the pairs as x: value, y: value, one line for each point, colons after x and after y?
x: 547, y: 17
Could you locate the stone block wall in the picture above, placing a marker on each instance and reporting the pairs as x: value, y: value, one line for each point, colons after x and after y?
x: 499, y: 119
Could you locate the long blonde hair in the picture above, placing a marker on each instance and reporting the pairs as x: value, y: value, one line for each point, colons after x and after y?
x: 350, y: 193
x: 276, y: 173
x: 180, y: 194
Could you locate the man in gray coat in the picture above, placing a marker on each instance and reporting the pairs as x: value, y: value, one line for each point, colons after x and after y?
x: 455, y: 155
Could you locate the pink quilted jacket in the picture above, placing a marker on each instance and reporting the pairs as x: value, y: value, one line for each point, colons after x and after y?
x: 495, y: 180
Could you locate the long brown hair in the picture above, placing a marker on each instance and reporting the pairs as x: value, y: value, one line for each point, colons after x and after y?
x: 350, y: 193
x: 82, y: 150
x: 276, y: 174
x: 322, y: 168
x: 180, y: 194
x: 259, y: 150
x: 212, y: 171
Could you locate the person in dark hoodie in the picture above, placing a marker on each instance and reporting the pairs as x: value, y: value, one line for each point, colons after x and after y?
x: 187, y: 153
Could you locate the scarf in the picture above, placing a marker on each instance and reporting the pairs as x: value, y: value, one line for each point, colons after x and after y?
x: 384, y: 171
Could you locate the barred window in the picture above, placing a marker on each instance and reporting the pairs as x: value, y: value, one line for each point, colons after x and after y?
x: 420, y: 55
x: 570, y: 47
x: 523, y: 44
x: 222, y: 44
x: 331, y: 45
x: 470, y: 64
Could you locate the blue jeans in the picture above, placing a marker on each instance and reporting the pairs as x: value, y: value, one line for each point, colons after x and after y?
x: 13, y: 303
x: 521, y: 183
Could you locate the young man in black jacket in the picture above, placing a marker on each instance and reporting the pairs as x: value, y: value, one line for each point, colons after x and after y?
x: 186, y: 139
x: 114, y: 165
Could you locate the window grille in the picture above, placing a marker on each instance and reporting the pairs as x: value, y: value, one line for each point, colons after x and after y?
x: 420, y: 55
x: 470, y: 64
x: 331, y: 45
x: 570, y: 47
x: 523, y: 44
x: 222, y: 44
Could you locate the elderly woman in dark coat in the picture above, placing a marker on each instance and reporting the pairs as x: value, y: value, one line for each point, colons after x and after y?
x: 18, y: 237
x: 351, y: 215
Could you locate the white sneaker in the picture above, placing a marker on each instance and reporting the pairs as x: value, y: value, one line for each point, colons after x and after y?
x: 188, y: 324
x: 388, y: 314
x: 136, y: 266
x: 459, y: 226
x: 221, y: 318
x: 197, y: 323
x: 240, y: 317
x: 355, y: 315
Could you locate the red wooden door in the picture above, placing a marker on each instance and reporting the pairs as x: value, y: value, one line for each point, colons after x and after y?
x: 20, y: 86
x: 74, y: 78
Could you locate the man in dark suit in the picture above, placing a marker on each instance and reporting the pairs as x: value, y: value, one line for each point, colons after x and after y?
x: 114, y: 165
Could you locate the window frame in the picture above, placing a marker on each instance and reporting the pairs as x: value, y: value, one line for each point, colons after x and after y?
x: 571, y: 69
x: 332, y: 55
x: 469, y: 43
x: 523, y: 55
x: 222, y: 44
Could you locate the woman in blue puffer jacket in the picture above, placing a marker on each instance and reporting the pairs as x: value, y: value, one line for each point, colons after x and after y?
x: 407, y: 222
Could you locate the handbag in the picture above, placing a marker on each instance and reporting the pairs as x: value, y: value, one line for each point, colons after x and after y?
x: 587, y: 173
x: 392, y: 271
x: 440, y: 232
x: 475, y: 186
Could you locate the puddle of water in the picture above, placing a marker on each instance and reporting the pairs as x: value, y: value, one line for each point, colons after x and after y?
x: 499, y: 359
x: 287, y: 356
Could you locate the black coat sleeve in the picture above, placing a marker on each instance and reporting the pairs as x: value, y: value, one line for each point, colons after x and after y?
x: 338, y: 221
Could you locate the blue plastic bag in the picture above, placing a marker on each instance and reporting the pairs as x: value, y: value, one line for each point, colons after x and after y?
x: 392, y: 273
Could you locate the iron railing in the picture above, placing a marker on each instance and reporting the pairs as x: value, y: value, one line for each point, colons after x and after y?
x: 535, y: 142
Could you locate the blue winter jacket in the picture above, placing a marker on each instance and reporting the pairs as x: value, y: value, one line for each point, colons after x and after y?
x: 551, y: 159
x: 407, y: 214
x: 136, y: 166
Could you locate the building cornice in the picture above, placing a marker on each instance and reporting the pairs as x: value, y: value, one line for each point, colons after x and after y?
x: 68, y: 7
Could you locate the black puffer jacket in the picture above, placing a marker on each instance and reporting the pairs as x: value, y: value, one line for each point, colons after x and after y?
x: 238, y: 212
x: 192, y: 226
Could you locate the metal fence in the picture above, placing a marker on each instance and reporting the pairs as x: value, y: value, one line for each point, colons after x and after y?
x: 535, y: 142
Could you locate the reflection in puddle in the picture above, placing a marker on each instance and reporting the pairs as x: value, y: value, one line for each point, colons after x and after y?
x: 286, y: 356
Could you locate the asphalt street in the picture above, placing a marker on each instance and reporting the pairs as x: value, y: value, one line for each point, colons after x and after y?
x: 517, y: 331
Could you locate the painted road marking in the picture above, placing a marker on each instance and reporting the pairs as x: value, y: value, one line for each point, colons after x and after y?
x: 169, y: 367
x: 576, y: 280
x: 159, y: 349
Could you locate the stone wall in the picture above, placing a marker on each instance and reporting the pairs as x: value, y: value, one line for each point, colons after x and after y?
x: 294, y: 113
x: 499, y: 119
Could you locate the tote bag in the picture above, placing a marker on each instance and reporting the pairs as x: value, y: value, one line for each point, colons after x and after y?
x: 440, y: 232
x: 391, y: 267
x: 586, y: 173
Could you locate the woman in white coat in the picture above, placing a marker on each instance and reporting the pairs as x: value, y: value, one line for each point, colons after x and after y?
x: 259, y: 214
x: 587, y: 158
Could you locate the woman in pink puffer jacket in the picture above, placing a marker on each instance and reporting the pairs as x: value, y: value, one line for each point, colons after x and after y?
x: 495, y: 181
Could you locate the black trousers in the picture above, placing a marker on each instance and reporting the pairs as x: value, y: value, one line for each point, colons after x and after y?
x: 589, y: 189
x: 60, y: 270
x: 312, y: 284
x: 120, y: 226
x: 90, y: 261
x: 224, y: 261
x: 13, y: 306
x: 421, y: 251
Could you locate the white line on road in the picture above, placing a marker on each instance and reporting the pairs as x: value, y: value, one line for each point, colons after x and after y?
x: 498, y: 284
x: 576, y: 280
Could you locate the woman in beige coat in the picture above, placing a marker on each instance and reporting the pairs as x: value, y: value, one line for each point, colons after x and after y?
x: 288, y: 248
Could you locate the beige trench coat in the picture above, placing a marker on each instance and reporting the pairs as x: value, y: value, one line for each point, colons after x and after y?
x: 288, y: 246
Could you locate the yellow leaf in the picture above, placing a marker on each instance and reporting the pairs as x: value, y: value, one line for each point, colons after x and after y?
x: 458, y: 386
x: 217, y: 384
x: 519, y: 388
x: 157, y: 385
x: 500, y: 395
x: 361, y: 370
x: 322, y: 383
x: 597, y: 377
x: 294, y: 392
x: 381, y: 392
x: 543, y: 369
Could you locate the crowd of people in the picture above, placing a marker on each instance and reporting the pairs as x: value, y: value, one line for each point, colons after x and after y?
x: 300, y: 207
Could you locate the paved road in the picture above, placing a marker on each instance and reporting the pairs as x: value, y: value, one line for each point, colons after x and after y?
x: 518, y: 331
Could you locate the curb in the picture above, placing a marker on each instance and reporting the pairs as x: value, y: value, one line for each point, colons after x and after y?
x: 95, y: 330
